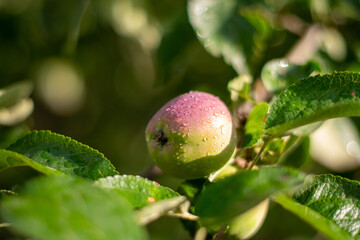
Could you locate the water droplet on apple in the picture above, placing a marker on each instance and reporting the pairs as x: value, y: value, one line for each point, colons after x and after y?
x: 168, y: 109
x: 205, y: 139
x: 222, y: 129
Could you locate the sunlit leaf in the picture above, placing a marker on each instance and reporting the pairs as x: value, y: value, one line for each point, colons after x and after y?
x: 315, y: 99
x: 64, y: 154
x: 255, y: 125
x: 331, y: 204
x: 138, y: 191
x: 10, y: 159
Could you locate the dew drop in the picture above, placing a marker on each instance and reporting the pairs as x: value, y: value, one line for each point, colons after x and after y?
x: 205, y: 139
x: 222, y: 129
x: 209, y: 120
x: 283, y: 63
x: 216, y: 114
x: 194, y: 106
x: 168, y: 109
x: 216, y: 137
x: 206, y: 109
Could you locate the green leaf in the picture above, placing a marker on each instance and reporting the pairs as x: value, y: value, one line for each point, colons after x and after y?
x: 139, y: 191
x: 228, y: 198
x: 9, y: 135
x: 13, y: 93
x: 237, y: 30
x: 315, y: 99
x: 255, y: 125
x: 277, y: 74
x: 298, y: 154
x: 239, y: 88
x: 319, y: 222
x: 70, y: 208
x: 334, y: 198
x: 12, y: 159
x: 192, y: 188
x: 64, y: 154
x: 273, y: 151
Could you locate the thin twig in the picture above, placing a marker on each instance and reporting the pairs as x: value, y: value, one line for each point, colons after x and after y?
x: 219, y: 235
x: 257, y: 157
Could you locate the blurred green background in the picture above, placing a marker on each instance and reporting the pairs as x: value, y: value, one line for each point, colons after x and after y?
x: 101, y: 69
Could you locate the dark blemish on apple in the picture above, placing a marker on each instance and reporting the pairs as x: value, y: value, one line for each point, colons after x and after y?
x: 160, y: 137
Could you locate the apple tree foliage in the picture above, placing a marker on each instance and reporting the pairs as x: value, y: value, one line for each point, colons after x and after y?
x: 77, y: 193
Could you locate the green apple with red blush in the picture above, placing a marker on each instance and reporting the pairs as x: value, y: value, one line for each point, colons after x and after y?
x: 191, y: 136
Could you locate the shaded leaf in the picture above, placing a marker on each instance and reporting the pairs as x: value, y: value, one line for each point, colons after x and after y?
x: 297, y: 154
x: 137, y: 190
x: 236, y: 30
x: 64, y: 154
x: 9, y: 135
x: 10, y: 159
x: 228, y: 198
x: 255, y: 125
x: 13, y: 93
x: 273, y: 151
x: 315, y: 99
x: 70, y: 208
x: 277, y: 74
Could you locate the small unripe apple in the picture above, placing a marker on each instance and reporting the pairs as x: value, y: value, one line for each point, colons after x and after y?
x: 191, y: 136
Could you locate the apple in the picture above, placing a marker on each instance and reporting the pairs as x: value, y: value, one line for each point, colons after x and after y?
x: 191, y: 136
